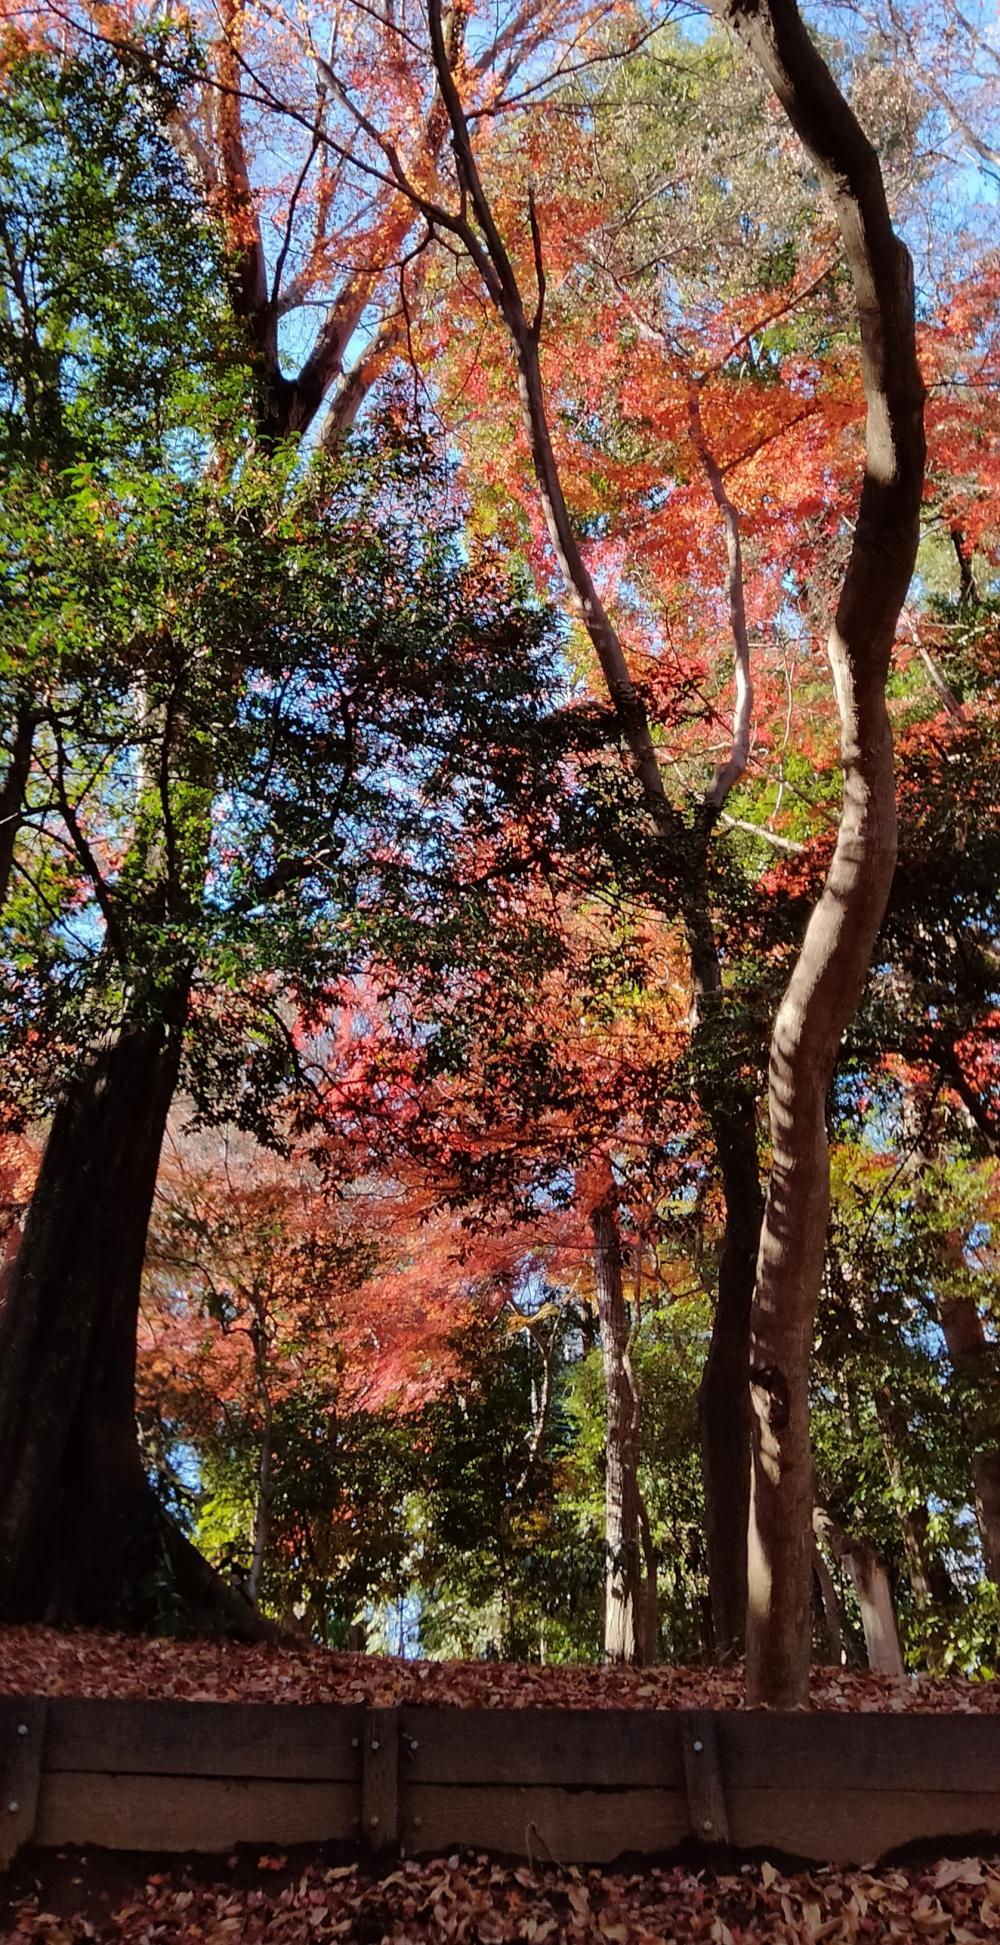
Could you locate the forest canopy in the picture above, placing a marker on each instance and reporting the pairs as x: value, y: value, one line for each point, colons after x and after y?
x: 499, y: 830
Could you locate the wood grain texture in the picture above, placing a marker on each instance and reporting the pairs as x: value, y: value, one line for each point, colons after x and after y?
x: 596, y: 1748
x: 572, y: 1826
x: 191, y: 1812
x: 843, y: 1826
x: 305, y: 1741
x: 590, y: 1785
x: 706, y: 1798
x: 22, y: 1747
x: 860, y: 1752
x: 380, y: 1779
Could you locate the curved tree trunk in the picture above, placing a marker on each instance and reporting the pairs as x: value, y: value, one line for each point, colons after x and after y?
x: 829, y: 976
x: 82, y: 1537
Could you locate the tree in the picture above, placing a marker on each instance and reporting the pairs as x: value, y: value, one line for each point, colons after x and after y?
x: 222, y: 853
x: 833, y: 962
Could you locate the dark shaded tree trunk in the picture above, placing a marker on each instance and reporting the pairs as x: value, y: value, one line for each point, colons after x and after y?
x: 12, y: 793
x: 724, y: 1395
x: 650, y: 1635
x: 83, y: 1538
x: 622, y: 1632
x: 968, y: 593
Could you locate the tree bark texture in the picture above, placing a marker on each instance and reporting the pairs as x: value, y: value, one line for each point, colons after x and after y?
x: 83, y: 1539
x: 623, y: 1584
x: 829, y: 975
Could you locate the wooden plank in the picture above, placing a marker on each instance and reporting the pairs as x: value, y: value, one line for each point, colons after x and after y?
x: 311, y: 1741
x: 589, y: 1748
x: 706, y: 1800
x: 22, y: 1745
x: 861, y: 1752
x: 175, y: 1813
x: 380, y: 1778
x: 572, y: 1826
x: 844, y: 1826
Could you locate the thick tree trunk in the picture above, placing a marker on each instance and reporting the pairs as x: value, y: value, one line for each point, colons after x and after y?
x: 82, y: 1536
x: 829, y: 976
x: 623, y: 1586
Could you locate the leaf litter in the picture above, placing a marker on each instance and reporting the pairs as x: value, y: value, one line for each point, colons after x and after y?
x: 474, y: 1900
x: 84, y: 1662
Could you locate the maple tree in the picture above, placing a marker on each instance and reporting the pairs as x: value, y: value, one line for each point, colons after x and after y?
x: 482, y: 1004
x: 834, y: 956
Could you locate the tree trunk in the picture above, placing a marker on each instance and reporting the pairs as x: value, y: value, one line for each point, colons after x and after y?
x: 874, y: 1596
x: 723, y: 1396
x: 828, y: 980
x: 262, y: 1506
x: 12, y: 793
x: 650, y: 1634
x: 968, y: 593
x: 622, y: 1609
x: 829, y: 975
x: 831, y: 1608
x: 83, y: 1539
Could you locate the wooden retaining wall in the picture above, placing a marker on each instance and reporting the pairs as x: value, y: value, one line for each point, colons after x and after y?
x: 583, y: 1786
